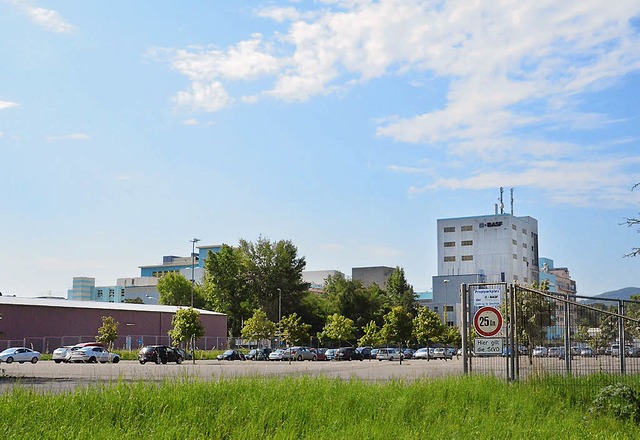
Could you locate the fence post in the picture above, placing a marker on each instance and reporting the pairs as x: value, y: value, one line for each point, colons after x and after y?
x: 567, y: 335
x: 621, y: 338
x: 511, y: 315
x: 465, y: 330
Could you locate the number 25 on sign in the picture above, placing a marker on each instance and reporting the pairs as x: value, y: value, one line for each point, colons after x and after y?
x: 487, y: 321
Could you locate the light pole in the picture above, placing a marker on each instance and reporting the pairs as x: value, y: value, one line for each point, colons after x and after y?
x: 279, y: 316
x: 193, y: 264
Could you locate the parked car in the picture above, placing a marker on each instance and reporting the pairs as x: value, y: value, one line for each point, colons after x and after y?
x: 258, y: 354
x: 62, y: 354
x: 159, y: 354
x: 20, y: 355
x: 184, y: 353
x: 553, y: 352
x: 407, y: 353
x: 365, y: 351
x: 441, y: 353
x: 422, y: 353
x: 93, y: 355
x: 231, y: 355
x: 389, y: 354
x: 539, y: 351
x: 276, y: 355
x: 615, y: 349
x: 300, y: 354
x: 633, y: 351
x: 330, y: 354
x: 586, y: 352
x: 320, y: 354
x: 348, y: 354
x: 374, y: 353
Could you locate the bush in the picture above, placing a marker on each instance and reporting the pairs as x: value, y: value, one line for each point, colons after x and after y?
x: 618, y: 400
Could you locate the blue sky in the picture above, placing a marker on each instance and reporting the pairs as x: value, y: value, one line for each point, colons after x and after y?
x: 348, y: 127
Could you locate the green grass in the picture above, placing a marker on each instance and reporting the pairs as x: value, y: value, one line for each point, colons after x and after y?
x: 292, y: 408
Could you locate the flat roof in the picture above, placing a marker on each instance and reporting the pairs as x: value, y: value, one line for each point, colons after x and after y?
x: 53, y: 302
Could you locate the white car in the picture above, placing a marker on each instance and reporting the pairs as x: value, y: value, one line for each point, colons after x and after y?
x: 423, y: 353
x: 19, y: 354
x: 63, y: 354
x: 93, y: 355
x: 539, y: 352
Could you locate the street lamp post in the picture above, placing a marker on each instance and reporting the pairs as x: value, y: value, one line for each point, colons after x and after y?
x: 279, y: 316
x: 193, y: 264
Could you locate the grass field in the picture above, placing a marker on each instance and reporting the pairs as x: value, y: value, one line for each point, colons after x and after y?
x: 292, y: 408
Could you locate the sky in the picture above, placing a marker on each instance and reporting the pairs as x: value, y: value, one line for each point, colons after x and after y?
x: 348, y: 127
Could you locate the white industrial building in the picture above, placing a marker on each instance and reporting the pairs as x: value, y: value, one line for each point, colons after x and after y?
x: 482, y: 249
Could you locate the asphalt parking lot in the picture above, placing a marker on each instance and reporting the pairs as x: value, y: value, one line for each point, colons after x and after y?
x: 49, y: 376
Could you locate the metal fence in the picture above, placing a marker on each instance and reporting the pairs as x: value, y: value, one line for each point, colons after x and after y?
x: 545, y: 333
x: 130, y: 342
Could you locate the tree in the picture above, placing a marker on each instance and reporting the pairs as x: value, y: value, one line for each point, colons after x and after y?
x: 338, y: 328
x: 398, y: 325
x: 427, y: 326
x: 274, y: 275
x: 352, y: 300
x: 108, y: 332
x: 293, y: 330
x: 225, y: 286
x: 258, y: 327
x: 535, y: 314
x: 136, y: 300
x: 371, y: 335
x: 399, y: 291
x: 633, y: 222
x: 175, y: 290
x: 452, y: 336
x: 186, y: 327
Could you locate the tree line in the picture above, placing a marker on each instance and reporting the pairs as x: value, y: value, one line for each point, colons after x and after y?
x: 259, y: 286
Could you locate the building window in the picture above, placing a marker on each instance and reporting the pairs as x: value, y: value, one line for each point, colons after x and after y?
x: 515, y: 242
x: 450, y: 324
x: 466, y: 228
x: 450, y: 229
x: 449, y: 244
x: 449, y: 259
x: 515, y: 256
x: 466, y: 243
x: 525, y: 259
x: 514, y: 227
x: 435, y: 309
x: 448, y: 308
x: 524, y: 245
x: 467, y: 258
x: 524, y: 231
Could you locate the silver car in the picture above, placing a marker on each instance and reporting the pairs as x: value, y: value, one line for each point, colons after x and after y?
x: 389, y: 354
x: 19, y: 354
x: 93, y: 355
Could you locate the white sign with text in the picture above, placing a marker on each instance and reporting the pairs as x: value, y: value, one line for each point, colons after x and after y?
x: 487, y: 297
x: 488, y: 346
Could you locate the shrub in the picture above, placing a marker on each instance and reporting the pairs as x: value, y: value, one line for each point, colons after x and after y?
x: 618, y: 400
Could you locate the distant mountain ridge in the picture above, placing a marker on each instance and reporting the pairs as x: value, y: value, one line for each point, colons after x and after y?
x: 624, y: 293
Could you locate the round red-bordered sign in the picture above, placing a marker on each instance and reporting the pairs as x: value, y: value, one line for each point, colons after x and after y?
x: 487, y: 321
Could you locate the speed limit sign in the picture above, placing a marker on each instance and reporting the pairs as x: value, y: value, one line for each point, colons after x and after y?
x: 487, y: 321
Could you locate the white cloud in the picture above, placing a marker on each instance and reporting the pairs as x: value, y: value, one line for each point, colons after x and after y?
x: 516, y: 71
x: 191, y: 122
x: 69, y: 137
x: 7, y: 104
x: 46, y: 18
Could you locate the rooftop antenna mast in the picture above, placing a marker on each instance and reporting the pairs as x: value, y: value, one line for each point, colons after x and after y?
x: 511, y: 201
x: 501, y: 203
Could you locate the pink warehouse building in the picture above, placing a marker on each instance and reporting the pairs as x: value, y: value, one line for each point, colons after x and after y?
x: 45, y: 324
